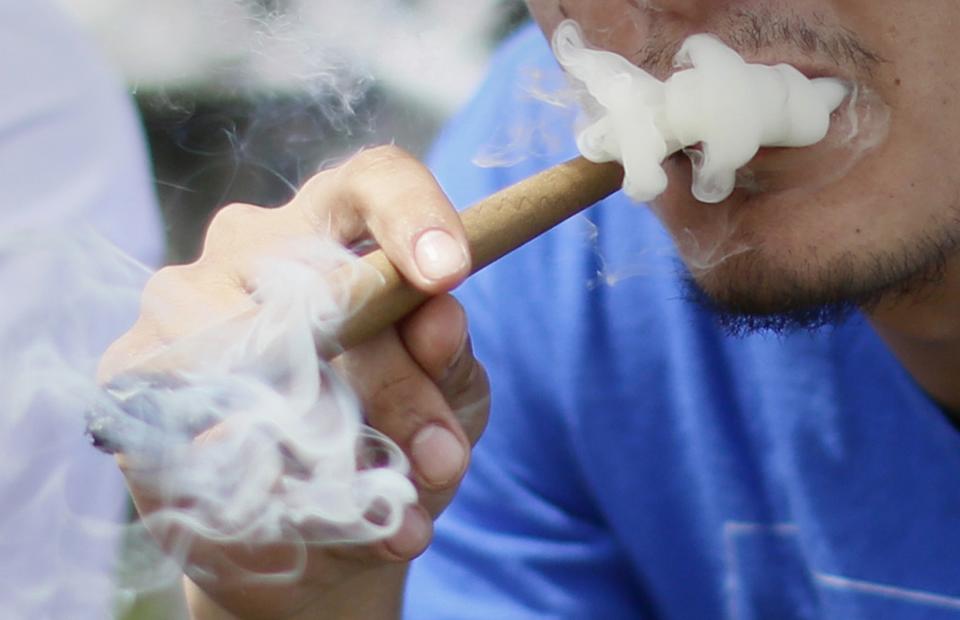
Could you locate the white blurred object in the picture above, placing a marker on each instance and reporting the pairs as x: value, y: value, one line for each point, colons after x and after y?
x: 71, y: 159
x: 433, y: 51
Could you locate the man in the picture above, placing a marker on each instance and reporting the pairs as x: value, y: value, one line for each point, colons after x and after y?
x: 639, y: 461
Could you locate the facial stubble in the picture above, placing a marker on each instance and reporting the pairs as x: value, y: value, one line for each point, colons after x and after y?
x: 752, y: 292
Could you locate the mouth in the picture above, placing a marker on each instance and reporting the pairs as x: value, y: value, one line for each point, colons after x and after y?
x: 776, y: 168
x: 734, y: 102
x: 857, y: 126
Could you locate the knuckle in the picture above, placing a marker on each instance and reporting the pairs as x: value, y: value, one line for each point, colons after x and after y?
x: 313, y: 186
x: 450, y: 307
x: 231, y: 223
x: 370, y: 168
x: 458, y: 316
x: 233, y: 216
x: 460, y: 365
x: 326, y: 205
x: 167, y: 282
x: 380, y: 157
x: 436, y: 337
x: 482, y: 383
x: 469, y: 377
x: 394, y: 192
x: 394, y: 393
x: 112, y: 362
x: 471, y: 407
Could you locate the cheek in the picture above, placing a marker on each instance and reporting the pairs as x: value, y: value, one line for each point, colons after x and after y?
x: 918, y: 73
x: 897, y: 183
x: 897, y: 198
x: 908, y: 186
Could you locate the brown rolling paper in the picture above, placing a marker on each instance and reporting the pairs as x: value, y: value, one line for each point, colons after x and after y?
x: 495, y: 226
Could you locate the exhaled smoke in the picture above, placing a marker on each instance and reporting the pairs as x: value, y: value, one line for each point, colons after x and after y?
x: 726, y: 107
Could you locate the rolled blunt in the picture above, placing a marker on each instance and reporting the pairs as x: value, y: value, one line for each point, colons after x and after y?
x: 495, y: 226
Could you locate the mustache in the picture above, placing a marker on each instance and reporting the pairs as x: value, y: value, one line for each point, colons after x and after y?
x: 754, y: 30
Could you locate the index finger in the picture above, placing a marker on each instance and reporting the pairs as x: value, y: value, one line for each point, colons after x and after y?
x: 404, y: 210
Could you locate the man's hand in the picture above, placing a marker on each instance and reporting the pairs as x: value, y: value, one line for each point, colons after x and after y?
x: 418, y: 381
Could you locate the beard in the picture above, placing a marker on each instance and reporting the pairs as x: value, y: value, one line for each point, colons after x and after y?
x: 750, y: 293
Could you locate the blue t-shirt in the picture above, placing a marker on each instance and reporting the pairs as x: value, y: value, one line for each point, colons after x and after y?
x: 641, y: 464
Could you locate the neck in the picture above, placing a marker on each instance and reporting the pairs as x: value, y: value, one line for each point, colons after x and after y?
x: 923, y: 331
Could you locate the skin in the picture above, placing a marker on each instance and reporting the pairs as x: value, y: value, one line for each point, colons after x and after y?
x: 418, y: 376
x: 885, y: 233
x: 801, y: 239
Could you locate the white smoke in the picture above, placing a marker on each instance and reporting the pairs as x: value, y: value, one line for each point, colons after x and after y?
x: 720, y: 112
x: 65, y: 294
x: 727, y: 107
x: 282, y: 434
x: 257, y: 440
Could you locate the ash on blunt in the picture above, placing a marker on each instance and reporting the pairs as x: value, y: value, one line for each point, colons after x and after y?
x: 641, y: 462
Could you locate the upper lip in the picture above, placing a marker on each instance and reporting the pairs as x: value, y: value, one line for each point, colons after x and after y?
x: 811, y: 66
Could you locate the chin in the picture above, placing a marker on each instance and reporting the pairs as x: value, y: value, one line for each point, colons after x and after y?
x: 757, y: 271
x: 794, y: 258
x: 792, y: 206
x: 749, y: 293
x: 783, y: 224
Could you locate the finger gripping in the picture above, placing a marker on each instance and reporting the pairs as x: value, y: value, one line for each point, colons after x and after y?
x: 495, y: 226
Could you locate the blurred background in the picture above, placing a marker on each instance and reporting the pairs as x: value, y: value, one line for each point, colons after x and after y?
x: 243, y: 100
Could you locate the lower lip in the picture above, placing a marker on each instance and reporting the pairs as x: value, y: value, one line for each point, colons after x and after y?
x: 679, y: 170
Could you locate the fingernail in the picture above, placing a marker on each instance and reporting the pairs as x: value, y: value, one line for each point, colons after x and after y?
x: 437, y: 455
x: 413, y: 535
x: 438, y: 255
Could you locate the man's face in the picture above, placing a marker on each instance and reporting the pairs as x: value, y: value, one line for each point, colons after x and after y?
x: 846, y: 221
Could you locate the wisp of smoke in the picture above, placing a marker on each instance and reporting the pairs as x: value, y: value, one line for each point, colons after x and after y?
x: 257, y: 439
x: 283, y: 446
x: 64, y: 294
x: 532, y: 136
